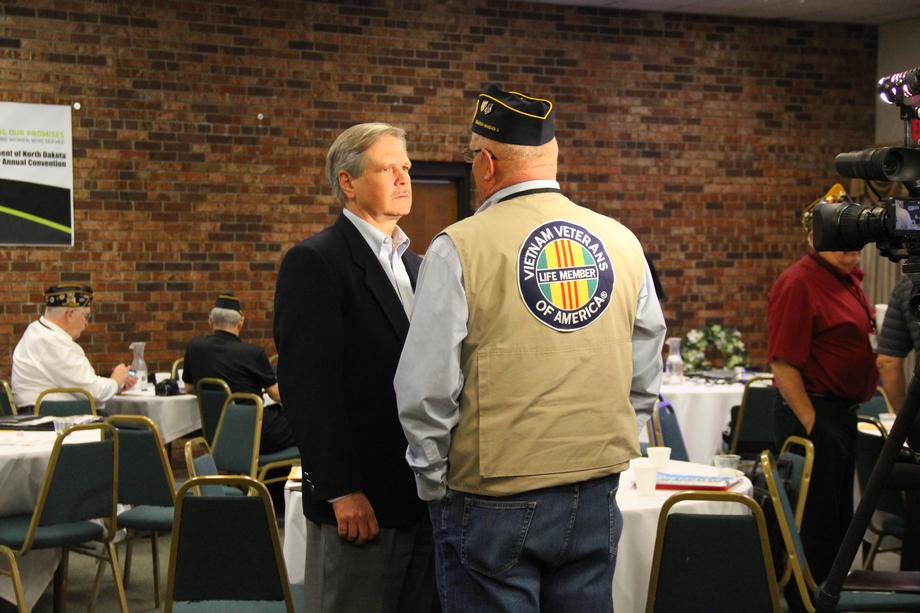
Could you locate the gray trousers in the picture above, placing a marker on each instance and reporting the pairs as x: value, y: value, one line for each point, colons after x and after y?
x: 394, y: 573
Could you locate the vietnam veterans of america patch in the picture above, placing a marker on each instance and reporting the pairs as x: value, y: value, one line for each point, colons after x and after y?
x: 564, y: 275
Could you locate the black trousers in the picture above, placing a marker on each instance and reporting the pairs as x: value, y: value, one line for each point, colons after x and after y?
x: 276, y: 431
x: 829, y: 506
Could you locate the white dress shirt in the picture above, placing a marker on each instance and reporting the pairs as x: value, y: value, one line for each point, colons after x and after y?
x: 388, y: 251
x: 429, y: 378
x: 46, y: 357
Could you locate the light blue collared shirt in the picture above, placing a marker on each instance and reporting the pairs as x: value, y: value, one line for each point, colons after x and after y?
x: 389, y: 252
x: 429, y: 379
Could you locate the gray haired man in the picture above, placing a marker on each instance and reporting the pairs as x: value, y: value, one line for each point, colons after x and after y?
x: 341, y: 317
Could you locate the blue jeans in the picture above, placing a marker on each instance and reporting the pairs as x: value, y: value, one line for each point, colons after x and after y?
x: 546, y: 550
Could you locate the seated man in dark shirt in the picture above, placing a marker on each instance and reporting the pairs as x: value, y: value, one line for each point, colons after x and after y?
x: 244, y: 367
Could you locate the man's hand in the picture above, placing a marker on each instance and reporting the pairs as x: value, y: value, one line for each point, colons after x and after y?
x: 791, y: 386
x: 356, y: 518
x: 122, y: 377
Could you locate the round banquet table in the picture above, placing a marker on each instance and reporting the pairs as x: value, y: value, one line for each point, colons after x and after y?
x: 635, y: 550
x: 175, y: 416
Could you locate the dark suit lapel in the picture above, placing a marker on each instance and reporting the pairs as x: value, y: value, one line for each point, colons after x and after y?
x: 375, y: 278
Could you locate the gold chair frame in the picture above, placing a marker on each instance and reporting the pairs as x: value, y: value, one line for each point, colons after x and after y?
x: 190, y: 447
x: 806, y: 473
x: 109, y: 524
x: 733, y: 446
x: 215, y: 382
x: 8, y: 392
x: 171, y: 480
x: 254, y: 488
x: 174, y: 369
x: 66, y: 390
x: 881, y: 392
x: 799, y: 511
x: 257, y: 435
x: 724, y: 497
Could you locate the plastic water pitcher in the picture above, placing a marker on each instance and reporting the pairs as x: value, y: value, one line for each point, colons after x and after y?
x: 674, y: 365
x: 138, y: 365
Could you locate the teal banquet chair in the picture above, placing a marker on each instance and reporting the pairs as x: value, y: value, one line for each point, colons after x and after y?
x: 863, y: 590
x: 875, y: 406
x: 212, y: 395
x: 79, y: 486
x: 239, y: 434
x: 68, y: 407
x: 666, y: 430
x: 146, y: 483
x: 231, y: 565
x: 717, y: 563
x: 7, y: 406
x: 752, y: 430
x: 199, y: 462
x: 797, y: 485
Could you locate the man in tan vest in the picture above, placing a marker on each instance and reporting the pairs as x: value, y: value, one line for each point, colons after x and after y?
x: 535, y: 339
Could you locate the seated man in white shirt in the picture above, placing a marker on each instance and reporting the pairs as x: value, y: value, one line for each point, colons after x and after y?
x: 48, y: 355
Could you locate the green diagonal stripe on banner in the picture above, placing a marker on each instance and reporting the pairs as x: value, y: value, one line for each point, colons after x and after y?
x: 35, y: 218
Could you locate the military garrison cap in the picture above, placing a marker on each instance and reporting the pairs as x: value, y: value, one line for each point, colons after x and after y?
x: 835, y: 194
x: 513, y: 118
x: 69, y: 296
x: 228, y: 301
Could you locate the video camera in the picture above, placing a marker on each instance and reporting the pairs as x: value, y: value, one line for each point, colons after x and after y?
x: 895, y: 225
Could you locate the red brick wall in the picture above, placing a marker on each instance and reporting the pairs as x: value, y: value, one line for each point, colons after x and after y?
x: 702, y: 134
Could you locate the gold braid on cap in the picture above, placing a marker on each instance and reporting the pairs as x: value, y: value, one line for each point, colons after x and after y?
x: 835, y: 194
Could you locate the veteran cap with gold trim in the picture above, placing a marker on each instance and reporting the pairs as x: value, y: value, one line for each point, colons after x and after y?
x: 835, y: 194
x: 228, y: 301
x: 69, y: 296
x: 513, y: 118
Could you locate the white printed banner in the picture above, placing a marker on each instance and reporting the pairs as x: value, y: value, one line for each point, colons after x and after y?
x: 36, y: 174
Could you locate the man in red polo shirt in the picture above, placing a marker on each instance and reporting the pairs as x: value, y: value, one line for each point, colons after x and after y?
x: 820, y: 343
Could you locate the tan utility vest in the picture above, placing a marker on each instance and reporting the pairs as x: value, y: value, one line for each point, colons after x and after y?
x: 541, y: 407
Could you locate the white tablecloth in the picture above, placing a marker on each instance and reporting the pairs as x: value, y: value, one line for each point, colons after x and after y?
x: 24, y: 457
x: 703, y: 411
x: 637, y: 542
x: 175, y: 416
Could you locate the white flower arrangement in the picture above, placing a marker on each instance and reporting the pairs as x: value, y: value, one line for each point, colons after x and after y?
x: 726, y: 340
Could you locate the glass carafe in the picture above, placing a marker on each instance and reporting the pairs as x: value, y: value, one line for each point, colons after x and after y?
x: 138, y: 365
x: 674, y: 365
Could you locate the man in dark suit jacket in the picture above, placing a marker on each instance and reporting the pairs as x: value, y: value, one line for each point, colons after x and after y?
x: 341, y: 317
